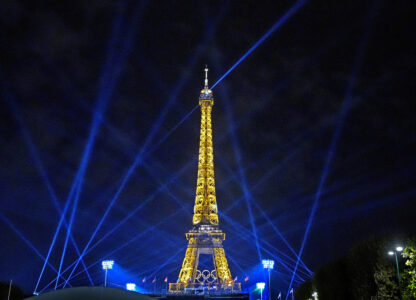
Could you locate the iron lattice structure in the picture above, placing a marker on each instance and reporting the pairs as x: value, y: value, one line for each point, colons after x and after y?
x: 205, y: 237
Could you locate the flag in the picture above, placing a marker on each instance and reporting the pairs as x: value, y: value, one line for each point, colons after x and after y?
x: 235, y: 279
x: 144, y: 280
x: 154, y: 280
x: 280, y: 296
x: 246, y: 279
x: 166, y: 279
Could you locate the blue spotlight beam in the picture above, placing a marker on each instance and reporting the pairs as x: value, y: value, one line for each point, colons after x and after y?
x: 165, y: 137
x: 122, y: 246
x: 107, y: 86
x: 38, y: 164
x: 247, y: 193
x: 345, y: 108
x: 182, y: 205
x: 238, y: 158
x: 139, y: 157
x: 281, y: 236
x: 132, y: 213
x: 275, y: 26
x: 239, y: 230
x: 27, y: 242
x: 103, y: 79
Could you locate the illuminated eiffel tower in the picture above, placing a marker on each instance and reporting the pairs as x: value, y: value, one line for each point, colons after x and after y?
x: 205, y: 238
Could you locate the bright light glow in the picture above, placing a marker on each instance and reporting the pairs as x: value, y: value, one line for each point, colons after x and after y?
x: 260, y: 285
x: 131, y: 286
x: 107, y: 264
x: 268, y: 263
x: 399, y: 249
x: 315, y: 294
x: 391, y: 252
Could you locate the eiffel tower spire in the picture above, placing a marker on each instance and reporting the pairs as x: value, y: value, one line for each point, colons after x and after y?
x: 205, y: 238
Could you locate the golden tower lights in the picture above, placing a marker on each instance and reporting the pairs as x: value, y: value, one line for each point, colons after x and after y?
x: 205, y: 237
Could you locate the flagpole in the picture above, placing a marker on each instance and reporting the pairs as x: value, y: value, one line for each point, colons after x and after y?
x: 10, y: 289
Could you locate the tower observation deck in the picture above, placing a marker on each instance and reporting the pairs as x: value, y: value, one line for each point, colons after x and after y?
x: 205, y: 237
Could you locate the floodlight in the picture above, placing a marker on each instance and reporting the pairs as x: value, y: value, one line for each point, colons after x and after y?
x: 130, y: 286
x: 260, y: 285
x: 399, y: 249
x: 107, y: 264
x: 268, y: 263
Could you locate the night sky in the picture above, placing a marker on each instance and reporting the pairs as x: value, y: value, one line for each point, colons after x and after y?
x: 315, y: 127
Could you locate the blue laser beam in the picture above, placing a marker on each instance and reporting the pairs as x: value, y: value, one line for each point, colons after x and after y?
x: 238, y: 158
x: 122, y: 246
x: 24, y: 239
x: 104, y: 78
x: 105, y: 94
x: 275, y: 26
x: 235, y: 225
x: 247, y: 193
x: 133, y: 212
x: 38, y: 164
x: 345, y: 108
x: 139, y: 158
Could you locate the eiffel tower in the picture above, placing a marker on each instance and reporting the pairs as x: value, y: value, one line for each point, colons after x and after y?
x: 205, y: 237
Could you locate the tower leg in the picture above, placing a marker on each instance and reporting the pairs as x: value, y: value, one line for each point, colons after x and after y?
x: 188, y: 269
x: 221, y: 264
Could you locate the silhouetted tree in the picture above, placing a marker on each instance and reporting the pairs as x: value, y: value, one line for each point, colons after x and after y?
x: 332, y: 281
x: 409, y: 274
x: 386, y: 282
x: 362, y: 263
x: 304, y: 291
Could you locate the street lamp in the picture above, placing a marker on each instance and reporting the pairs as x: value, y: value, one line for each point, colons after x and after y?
x: 107, y: 265
x: 130, y: 286
x: 315, y: 295
x: 260, y: 286
x: 269, y: 265
x: 391, y: 253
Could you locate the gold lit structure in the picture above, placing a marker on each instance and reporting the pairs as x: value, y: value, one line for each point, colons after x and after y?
x: 205, y: 237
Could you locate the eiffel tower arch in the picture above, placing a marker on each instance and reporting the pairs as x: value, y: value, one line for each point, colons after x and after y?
x: 205, y: 237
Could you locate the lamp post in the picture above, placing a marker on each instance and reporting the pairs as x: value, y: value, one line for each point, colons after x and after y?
x: 107, y: 265
x: 391, y: 253
x: 260, y: 286
x: 269, y: 265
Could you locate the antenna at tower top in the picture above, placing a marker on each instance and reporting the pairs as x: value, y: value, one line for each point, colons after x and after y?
x: 206, y: 77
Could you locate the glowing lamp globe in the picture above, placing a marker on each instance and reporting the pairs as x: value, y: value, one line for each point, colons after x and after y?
x: 399, y: 249
x: 260, y: 285
x: 391, y: 253
x: 130, y: 286
x: 268, y: 263
x: 107, y: 264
